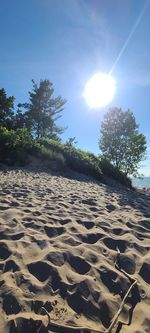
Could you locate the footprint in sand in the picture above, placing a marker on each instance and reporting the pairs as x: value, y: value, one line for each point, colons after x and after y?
x: 4, y: 251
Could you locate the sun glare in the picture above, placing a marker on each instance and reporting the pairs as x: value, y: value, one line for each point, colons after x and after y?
x: 99, y: 90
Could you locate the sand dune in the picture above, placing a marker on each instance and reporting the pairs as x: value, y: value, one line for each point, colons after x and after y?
x: 59, y: 239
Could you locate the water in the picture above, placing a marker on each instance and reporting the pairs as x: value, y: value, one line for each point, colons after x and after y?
x: 140, y: 183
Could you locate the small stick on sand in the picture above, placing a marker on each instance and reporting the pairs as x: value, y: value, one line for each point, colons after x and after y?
x: 115, y: 318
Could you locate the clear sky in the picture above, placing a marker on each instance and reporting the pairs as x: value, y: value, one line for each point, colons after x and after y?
x: 67, y: 41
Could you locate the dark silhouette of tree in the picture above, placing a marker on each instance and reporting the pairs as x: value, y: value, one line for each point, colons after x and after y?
x: 71, y: 142
x: 6, y: 109
x: 120, y: 141
x: 43, y: 110
x: 20, y: 120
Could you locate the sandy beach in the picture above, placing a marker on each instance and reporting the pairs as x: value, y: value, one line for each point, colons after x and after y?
x: 72, y: 247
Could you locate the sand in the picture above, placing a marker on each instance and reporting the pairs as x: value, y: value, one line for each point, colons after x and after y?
x: 65, y: 245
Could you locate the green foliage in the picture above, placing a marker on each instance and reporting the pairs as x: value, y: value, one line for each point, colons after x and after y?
x: 14, y: 145
x: 20, y: 120
x: 86, y: 162
x: 76, y: 159
x: 110, y: 170
x: 17, y: 146
x: 6, y: 109
x: 43, y: 110
x: 71, y: 141
x: 48, y: 156
x: 120, y: 141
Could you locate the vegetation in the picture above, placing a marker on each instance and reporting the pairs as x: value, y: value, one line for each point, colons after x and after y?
x: 76, y: 159
x: 42, y: 111
x: 17, y: 147
x: 110, y: 170
x: 71, y: 142
x: 86, y: 162
x: 14, y: 146
x: 32, y: 131
x: 6, y: 109
x: 120, y: 141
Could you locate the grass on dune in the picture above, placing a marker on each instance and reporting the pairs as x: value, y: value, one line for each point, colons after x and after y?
x: 17, y: 146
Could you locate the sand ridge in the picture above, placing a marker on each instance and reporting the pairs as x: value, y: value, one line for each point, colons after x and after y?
x: 58, y: 246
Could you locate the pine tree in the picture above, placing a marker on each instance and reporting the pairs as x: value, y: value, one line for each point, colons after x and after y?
x: 43, y: 110
x: 6, y: 109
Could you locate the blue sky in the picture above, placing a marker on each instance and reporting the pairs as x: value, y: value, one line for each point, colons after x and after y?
x: 67, y: 41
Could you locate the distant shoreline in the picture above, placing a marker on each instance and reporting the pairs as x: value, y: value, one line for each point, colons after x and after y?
x: 141, y: 183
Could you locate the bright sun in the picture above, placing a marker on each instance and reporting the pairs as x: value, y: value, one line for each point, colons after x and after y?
x: 99, y: 90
